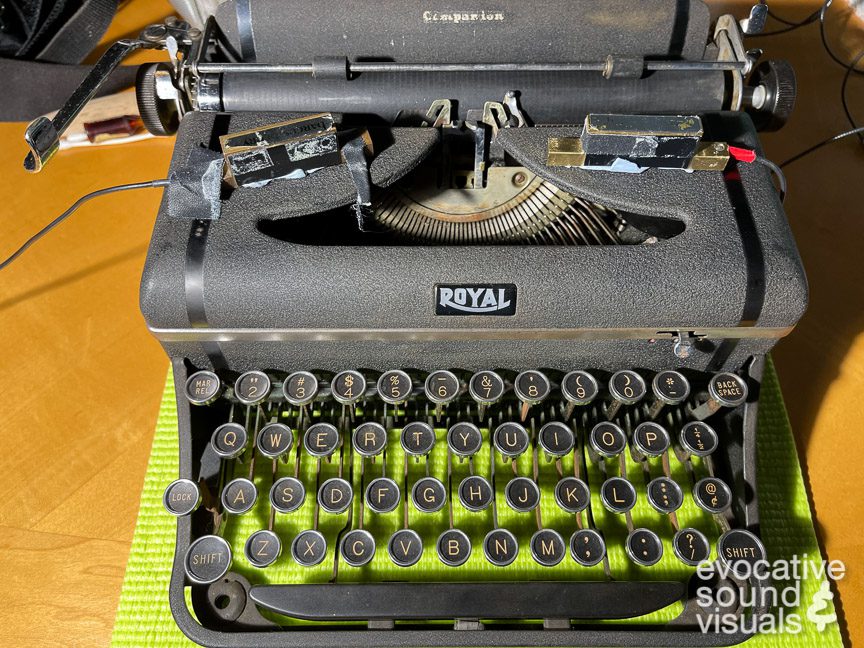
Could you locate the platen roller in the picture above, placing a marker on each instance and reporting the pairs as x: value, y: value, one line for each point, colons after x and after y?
x: 544, y: 97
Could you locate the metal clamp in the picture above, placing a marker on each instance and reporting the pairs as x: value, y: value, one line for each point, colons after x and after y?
x: 440, y: 113
x: 755, y: 22
x: 730, y: 46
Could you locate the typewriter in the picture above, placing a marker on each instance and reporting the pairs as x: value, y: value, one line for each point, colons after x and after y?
x: 468, y: 313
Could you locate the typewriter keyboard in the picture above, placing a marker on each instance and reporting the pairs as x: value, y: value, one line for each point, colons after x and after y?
x: 463, y: 480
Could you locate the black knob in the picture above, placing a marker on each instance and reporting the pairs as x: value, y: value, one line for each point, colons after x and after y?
x: 160, y: 116
x: 770, y: 94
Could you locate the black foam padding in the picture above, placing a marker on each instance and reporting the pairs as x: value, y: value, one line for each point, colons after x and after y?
x: 398, y: 151
x: 330, y: 187
x: 729, y: 266
x: 407, y: 31
x: 544, y: 97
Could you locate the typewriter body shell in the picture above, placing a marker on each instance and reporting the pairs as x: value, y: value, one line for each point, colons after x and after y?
x: 271, y: 281
x: 732, y: 278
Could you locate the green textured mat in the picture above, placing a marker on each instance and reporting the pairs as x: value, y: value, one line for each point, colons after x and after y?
x: 144, y: 619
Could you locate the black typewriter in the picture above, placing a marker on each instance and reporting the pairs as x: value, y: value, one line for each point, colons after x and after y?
x: 468, y: 313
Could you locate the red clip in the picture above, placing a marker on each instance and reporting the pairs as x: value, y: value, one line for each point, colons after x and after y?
x: 742, y: 154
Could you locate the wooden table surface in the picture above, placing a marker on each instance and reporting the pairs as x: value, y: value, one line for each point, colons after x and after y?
x: 82, y: 376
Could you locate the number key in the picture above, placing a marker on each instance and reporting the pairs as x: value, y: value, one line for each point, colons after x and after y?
x: 300, y: 388
x: 348, y: 387
x: 486, y: 387
x: 626, y: 388
x: 252, y: 388
x: 441, y: 387
x: 394, y: 386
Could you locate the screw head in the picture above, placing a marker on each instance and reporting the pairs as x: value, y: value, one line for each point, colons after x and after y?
x: 155, y: 32
x: 682, y: 349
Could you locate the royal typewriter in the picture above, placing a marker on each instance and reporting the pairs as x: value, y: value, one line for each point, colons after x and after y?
x: 467, y: 309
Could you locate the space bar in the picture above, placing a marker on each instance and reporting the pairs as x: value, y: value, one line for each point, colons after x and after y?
x: 510, y: 600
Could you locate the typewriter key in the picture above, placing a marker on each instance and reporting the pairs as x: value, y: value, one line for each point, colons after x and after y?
x: 572, y: 494
x: 287, y: 494
x: 651, y: 439
x: 741, y: 550
x: 405, y: 548
x: 475, y: 493
x: 262, y: 548
x: 578, y: 388
x: 207, y: 559
x: 627, y: 388
x: 229, y: 440
x: 348, y: 387
x: 309, y: 548
x: 587, y: 547
x: 712, y: 495
x: 239, y: 496
x: 670, y: 388
x: 453, y: 547
x: 556, y: 439
x: 300, y: 388
x: 370, y: 439
x: 486, y: 388
x: 321, y: 440
x: 382, y: 495
x: 429, y: 495
x: 275, y: 440
x: 531, y: 387
x: 357, y: 547
x: 698, y: 438
x: 691, y: 547
x: 335, y: 495
x: 252, y: 388
x: 181, y: 497
x: 728, y: 389
x: 644, y: 547
x: 547, y: 547
x: 394, y: 386
x: 203, y: 388
x: 441, y: 387
x: 511, y: 439
x: 724, y: 390
x: 500, y: 547
x: 522, y: 494
x: 418, y: 438
x: 464, y: 439
x: 618, y: 495
x: 665, y: 495
x: 607, y: 439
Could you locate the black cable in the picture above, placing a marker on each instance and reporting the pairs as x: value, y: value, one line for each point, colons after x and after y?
x: 778, y: 172
x: 845, y: 103
x: 791, y: 26
x: 816, y: 147
x: 809, y: 19
x: 784, y: 30
x: 825, y: 44
x: 93, y: 194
